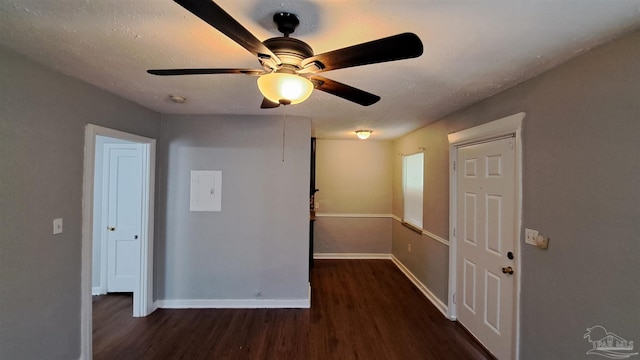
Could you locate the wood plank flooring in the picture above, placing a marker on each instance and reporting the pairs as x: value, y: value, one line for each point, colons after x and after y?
x: 361, y: 309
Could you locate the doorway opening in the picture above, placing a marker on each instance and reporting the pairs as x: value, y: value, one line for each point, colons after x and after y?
x: 117, y: 215
x: 97, y: 138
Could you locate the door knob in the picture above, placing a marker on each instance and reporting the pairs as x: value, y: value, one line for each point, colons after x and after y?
x: 111, y: 228
x: 507, y: 270
x: 135, y: 237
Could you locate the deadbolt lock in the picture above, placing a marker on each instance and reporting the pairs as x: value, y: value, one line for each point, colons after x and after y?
x: 507, y: 270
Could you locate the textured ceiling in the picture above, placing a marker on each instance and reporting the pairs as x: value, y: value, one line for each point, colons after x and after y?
x: 472, y: 50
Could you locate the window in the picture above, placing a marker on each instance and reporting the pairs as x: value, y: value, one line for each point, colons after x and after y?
x: 412, y: 183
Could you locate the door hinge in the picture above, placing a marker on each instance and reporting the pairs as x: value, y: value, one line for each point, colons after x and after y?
x: 454, y: 165
x: 454, y: 232
x: 454, y: 298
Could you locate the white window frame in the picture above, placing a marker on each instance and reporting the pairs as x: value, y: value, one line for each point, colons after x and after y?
x: 413, y: 188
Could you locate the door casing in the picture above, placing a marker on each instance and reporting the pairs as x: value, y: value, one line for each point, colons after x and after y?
x: 486, y: 132
x: 143, y: 297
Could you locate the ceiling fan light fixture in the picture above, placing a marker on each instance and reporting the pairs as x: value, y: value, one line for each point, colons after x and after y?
x: 363, y: 134
x: 285, y: 88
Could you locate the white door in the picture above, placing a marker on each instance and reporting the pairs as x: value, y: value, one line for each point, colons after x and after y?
x: 124, y: 215
x: 486, y: 204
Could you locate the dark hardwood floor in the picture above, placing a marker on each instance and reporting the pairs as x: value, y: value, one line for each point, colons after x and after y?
x: 360, y: 309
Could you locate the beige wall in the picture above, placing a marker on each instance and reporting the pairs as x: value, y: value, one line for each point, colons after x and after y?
x: 355, y: 182
x: 436, y: 177
x: 352, y: 235
x: 354, y: 176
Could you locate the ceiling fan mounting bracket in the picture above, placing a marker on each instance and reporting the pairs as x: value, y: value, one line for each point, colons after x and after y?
x: 287, y: 22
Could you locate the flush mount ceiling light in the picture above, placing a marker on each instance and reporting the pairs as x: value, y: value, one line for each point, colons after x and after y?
x: 179, y: 99
x: 284, y: 88
x: 363, y: 134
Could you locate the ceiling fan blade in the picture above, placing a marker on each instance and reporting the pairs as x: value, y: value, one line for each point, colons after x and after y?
x: 268, y: 104
x: 344, y: 91
x: 215, y: 16
x: 167, y: 72
x: 397, y: 47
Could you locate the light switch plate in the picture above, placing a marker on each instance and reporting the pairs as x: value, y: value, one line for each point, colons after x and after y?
x: 57, y: 226
x: 530, y: 236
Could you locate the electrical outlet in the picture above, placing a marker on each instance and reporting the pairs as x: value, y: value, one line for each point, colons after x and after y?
x: 409, y: 247
x: 530, y: 237
x: 542, y: 241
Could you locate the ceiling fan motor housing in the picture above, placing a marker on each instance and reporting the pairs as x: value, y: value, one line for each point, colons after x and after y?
x: 289, y: 50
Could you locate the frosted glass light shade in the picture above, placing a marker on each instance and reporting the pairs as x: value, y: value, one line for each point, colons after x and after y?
x: 363, y: 134
x: 290, y: 88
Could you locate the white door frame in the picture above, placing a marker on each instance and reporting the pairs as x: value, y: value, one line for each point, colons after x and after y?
x: 143, y: 297
x: 486, y: 132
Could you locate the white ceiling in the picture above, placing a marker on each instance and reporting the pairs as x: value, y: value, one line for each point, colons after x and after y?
x: 472, y: 50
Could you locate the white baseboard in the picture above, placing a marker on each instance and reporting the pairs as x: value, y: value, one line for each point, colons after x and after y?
x: 357, y: 216
x: 235, y: 304
x: 423, y: 288
x: 335, y: 256
x: 97, y: 290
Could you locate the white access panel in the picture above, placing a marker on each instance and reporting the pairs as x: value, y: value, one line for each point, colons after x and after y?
x: 206, y: 190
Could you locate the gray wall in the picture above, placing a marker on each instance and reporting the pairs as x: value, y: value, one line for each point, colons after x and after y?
x: 354, y: 178
x: 260, y: 239
x: 581, y: 188
x: 581, y: 175
x: 42, y: 121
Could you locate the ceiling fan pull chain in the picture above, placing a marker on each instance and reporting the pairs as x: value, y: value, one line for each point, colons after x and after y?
x: 284, y: 126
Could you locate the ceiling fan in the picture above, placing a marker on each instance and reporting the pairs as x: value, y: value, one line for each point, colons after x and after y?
x: 289, y: 66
